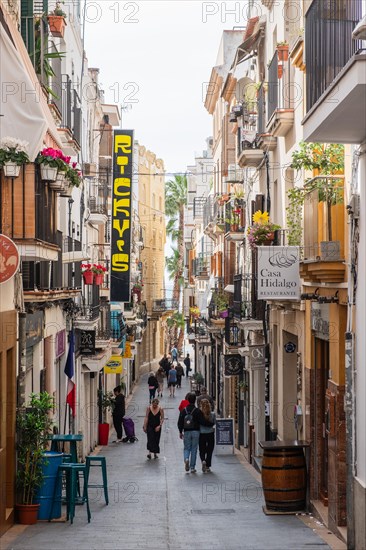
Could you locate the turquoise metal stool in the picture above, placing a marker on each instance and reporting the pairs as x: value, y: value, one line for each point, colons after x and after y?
x: 97, y: 461
x: 72, y: 472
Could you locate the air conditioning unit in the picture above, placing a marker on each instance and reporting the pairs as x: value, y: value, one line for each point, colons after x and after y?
x: 234, y: 174
x: 90, y: 169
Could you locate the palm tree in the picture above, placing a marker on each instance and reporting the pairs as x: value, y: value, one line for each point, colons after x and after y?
x: 172, y: 264
x: 175, y: 200
x: 174, y: 323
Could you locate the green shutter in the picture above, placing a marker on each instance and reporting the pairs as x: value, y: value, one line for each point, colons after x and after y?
x: 27, y: 25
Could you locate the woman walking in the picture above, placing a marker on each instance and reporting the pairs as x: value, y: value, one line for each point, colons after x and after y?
x: 207, y: 436
x: 153, y: 422
x: 153, y: 385
x: 160, y: 376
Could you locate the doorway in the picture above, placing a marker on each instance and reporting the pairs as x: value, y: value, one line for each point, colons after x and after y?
x: 321, y: 386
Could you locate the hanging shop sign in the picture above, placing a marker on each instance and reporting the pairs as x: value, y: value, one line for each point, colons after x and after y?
x: 320, y: 320
x: 278, y: 273
x: 121, y: 215
x: 34, y: 328
x: 233, y: 365
x: 290, y: 347
x: 9, y: 259
x: 87, y: 342
x: 127, y: 354
x: 257, y: 356
x: 60, y: 343
x: 114, y: 365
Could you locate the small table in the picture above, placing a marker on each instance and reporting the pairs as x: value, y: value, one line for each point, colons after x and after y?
x: 72, y: 439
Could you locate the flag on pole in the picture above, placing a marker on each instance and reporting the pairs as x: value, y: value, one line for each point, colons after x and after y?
x: 69, y: 371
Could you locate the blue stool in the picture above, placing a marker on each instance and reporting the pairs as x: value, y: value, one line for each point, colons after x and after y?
x: 97, y: 461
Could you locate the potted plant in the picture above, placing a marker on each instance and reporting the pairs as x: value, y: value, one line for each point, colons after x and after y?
x: 56, y: 21
x: 199, y: 381
x: 87, y: 273
x: 221, y: 301
x: 49, y: 163
x: 234, y: 220
x: 13, y: 154
x: 194, y: 312
x: 73, y: 178
x: 262, y: 230
x: 62, y: 167
x: 98, y: 271
x: 282, y: 51
x: 33, y: 428
x: 105, y: 403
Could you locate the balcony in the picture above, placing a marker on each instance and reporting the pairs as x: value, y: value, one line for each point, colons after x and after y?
x: 88, y: 317
x: 248, y: 153
x: 210, y: 209
x: 103, y: 330
x: 67, y: 108
x: 201, y: 268
x: 164, y: 305
x: 280, y: 111
x: 265, y: 140
x: 324, y: 231
x: 336, y: 74
x: 198, y: 207
x: 98, y: 212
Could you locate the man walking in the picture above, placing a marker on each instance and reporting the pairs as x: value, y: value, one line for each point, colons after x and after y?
x: 187, y: 362
x: 174, y: 354
x: 180, y: 372
x: 118, y: 412
x: 189, y: 422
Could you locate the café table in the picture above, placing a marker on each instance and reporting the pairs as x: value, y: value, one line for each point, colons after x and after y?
x: 71, y: 439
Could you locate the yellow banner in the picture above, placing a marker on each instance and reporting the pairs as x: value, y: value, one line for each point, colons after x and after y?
x: 127, y: 354
x: 114, y: 365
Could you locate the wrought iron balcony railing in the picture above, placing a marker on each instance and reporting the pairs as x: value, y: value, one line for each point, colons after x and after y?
x: 164, y: 304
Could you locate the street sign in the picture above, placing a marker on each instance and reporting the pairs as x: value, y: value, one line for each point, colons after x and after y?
x: 257, y: 356
x: 233, y: 365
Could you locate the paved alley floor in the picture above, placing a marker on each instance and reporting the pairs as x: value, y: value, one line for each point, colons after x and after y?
x: 156, y: 505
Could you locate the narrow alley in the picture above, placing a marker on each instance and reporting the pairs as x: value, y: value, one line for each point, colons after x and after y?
x: 156, y: 505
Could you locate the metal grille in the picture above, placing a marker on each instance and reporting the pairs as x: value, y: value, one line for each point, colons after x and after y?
x: 328, y: 43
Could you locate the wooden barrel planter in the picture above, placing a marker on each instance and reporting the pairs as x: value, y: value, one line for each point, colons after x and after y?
x: 284, y: 479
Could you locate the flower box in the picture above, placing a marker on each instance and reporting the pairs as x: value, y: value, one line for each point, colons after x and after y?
x: 48, y: 173
x: 98, y: 279
x: 11, y: 169
x: 88, y: 277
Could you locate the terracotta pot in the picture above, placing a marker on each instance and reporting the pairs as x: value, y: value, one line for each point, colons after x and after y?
x: 88, y: 277
x: 98, y: 279
x: 279, y: 71
x: 11, y: 169
x: 27, y: 513
x: 234, y: 228
x: 57, y: 25
x: 282, y: 53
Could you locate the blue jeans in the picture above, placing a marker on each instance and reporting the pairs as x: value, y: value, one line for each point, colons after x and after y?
x: 191, y: 439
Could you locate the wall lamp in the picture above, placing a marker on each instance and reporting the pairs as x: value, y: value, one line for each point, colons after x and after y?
x: 312, y: 296
x: 329, y: 299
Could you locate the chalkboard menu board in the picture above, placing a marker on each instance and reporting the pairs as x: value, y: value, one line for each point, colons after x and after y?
x: 225, y: 431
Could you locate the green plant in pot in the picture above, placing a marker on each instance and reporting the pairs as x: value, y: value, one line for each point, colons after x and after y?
x: 221, y: 301
x: 199, y: 381
x: 33, y: 429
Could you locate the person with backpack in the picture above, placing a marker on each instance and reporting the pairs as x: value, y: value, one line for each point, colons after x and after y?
x: 189, y: 422
x: 187, y: 362
x: 207, y: 436
x: 172, y: 380
x: 154, y: 419
x: 153, y: 385
x: 118, y: 413
x: 180, y: 373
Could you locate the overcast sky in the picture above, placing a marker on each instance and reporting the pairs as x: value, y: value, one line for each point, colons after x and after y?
x: 156, y: 57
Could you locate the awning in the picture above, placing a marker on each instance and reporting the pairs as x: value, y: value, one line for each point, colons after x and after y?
x: 23, y: 108
x: 252, y: 36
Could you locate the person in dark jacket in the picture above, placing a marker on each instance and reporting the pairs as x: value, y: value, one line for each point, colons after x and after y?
x: 118, y: 413
x: 187, y: 362
x: 153, y: 385
x: 191, y: 434
x: 165, y: 364
x: 180, y: 372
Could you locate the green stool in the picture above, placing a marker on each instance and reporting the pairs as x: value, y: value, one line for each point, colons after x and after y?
x: 73, y: 499
x: 97, y: 461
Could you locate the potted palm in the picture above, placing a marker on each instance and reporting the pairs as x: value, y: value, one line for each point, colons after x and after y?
x: 13, y: 154
x: 33, y: 429
x: 56, y: 21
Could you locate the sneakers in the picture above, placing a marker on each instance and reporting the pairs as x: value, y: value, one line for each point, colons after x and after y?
x: 208, y: 470
x: 193, y: 470
x: 204, y: 467
x: 149, y: 456
x: 186, y: 465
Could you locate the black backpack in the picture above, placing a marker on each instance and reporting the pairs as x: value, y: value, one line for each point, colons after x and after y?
x: 188, y: 420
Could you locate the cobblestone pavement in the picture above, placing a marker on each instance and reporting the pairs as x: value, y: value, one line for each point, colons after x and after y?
x: 156, y: 505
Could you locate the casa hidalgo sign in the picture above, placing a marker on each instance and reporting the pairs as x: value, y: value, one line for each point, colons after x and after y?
x: 278, y: 273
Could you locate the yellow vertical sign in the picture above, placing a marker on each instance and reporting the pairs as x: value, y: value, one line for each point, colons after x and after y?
x: 127, y: 354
